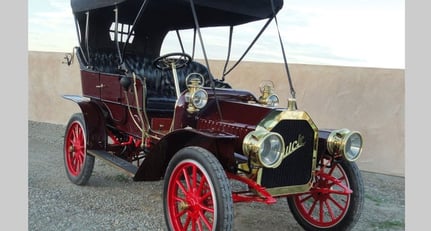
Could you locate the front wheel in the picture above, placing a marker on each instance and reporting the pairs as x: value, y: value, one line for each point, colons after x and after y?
x: 335, y: 200
x: 79, y: 165
x: 197, y: 193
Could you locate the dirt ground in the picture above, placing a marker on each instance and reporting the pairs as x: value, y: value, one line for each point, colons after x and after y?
x: 113, y: 201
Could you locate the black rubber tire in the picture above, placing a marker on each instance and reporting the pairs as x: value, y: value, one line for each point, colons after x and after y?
x: 78, y: 163
x: 350, y: 215
x: 196, y: 161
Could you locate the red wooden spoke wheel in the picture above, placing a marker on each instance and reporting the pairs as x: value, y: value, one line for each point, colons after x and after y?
x: 333, y: 202
x: 79, y: 165
x: 197, y: 193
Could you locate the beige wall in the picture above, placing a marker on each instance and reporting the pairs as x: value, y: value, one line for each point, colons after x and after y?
x: 370, y: 100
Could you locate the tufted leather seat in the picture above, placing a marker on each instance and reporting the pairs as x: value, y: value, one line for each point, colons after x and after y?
x: 161, y: 83
x: 161, y: 95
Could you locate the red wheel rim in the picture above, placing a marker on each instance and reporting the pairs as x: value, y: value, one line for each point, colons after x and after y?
x: 190, y: 198
x: 75, y: 149
x: 328, y: 200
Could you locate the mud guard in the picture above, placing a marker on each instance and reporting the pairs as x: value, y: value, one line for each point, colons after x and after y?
x: 220, y: 144
x: 95, y: 121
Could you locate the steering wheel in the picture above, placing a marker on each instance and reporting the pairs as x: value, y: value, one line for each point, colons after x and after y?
x: 179, y: 59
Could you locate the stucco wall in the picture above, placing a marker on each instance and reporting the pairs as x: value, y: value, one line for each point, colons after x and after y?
x: 370, y: 100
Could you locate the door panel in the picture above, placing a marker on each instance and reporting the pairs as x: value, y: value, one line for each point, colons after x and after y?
x: 90, y: 81
x: 111, y: 95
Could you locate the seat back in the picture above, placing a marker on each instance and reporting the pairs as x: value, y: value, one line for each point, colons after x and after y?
x: 161, y: 95
x: 161, y: 83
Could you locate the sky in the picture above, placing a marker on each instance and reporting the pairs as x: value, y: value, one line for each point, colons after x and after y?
x: 363, y: 33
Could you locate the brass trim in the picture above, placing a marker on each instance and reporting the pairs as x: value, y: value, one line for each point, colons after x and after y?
x: 286, y: 190
x: 268, y: 123
x: 275, y: 116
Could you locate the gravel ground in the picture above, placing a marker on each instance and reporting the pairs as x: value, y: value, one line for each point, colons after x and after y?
x: 113, y: 201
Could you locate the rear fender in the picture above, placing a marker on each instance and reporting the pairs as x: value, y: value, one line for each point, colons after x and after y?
x: 95, y: 121
x: 156, y: 162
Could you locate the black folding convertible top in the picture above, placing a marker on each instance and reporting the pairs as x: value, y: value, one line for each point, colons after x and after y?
x: 151, y: 20
x: 177, y: 13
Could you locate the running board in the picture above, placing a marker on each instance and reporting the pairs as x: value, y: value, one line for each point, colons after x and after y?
x: 117, y: 162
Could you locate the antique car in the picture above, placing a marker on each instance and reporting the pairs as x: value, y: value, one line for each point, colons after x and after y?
x: 167, y: 117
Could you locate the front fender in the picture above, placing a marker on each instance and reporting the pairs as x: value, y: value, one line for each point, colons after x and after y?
x: 94, y: 121
x: 220, y: 144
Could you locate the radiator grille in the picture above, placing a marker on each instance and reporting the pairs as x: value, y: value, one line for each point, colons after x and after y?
x: 297, y: 167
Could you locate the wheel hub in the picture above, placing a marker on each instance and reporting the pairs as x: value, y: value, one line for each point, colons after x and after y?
x: 183, y: 205
x: 193, y: 203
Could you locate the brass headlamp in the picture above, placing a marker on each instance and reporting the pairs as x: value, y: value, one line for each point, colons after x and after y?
x: 345, y: 143
x: 264, y: 148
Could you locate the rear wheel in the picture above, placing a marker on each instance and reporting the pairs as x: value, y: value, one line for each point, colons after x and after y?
x: 79, y: 165
x: 334, y: 202
x: 197, y: 193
